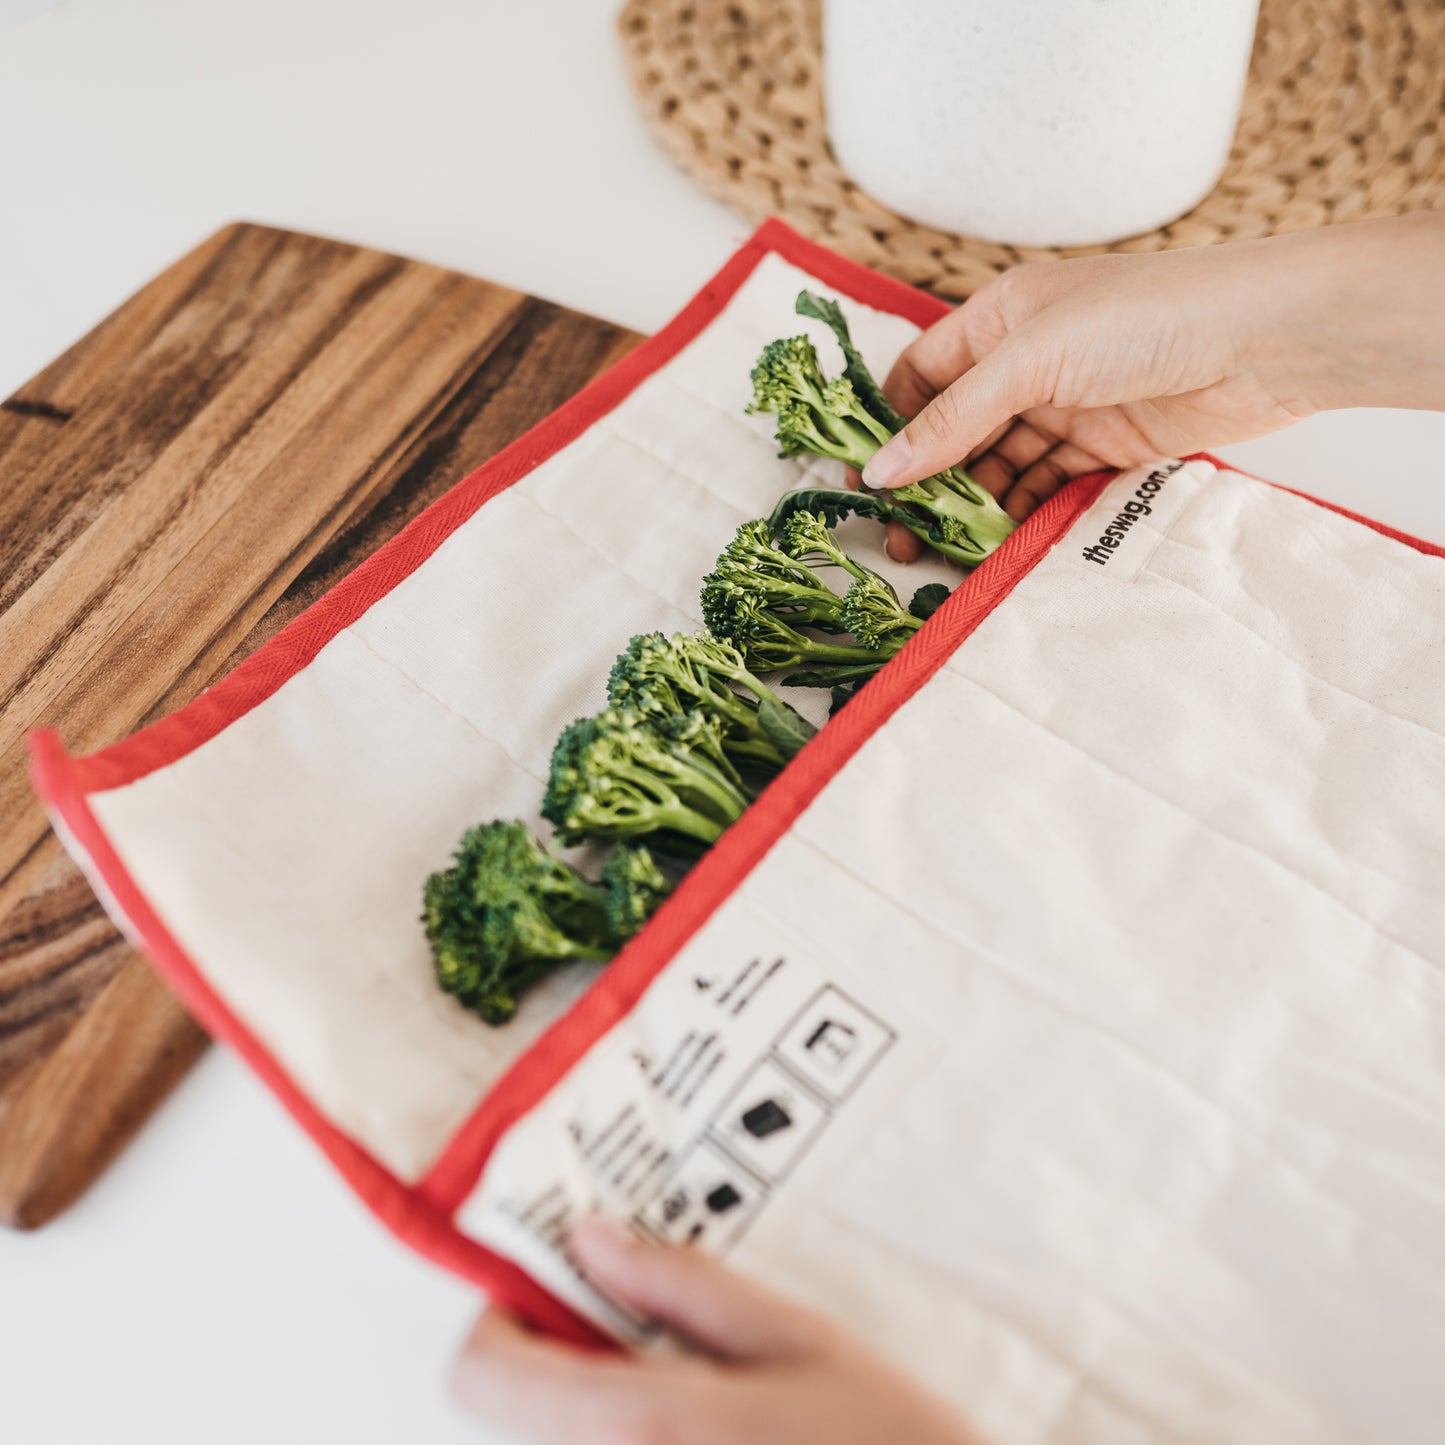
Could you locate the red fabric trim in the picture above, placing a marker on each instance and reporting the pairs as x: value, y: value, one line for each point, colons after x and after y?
x: 1430, y: 549
x: 421, y: 1215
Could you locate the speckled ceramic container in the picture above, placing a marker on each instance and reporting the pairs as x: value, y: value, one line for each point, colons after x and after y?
x: 1036, y: 122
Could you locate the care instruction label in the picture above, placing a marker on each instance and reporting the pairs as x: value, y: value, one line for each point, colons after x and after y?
x: 1118, y: 534
x: 684, y: 1121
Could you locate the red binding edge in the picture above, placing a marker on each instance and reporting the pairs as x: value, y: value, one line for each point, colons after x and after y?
x: 422, y: 1214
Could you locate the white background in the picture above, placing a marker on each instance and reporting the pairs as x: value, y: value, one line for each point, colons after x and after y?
x: 219, y: 1284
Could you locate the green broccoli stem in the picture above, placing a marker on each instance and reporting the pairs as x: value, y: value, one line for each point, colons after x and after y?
x: 690, y: 824
x: 969, y: 555
x: 952, y: 493
x: 806, y: 650
x: 837, y: 438
x: 721, y: 798
x: 756, y: 749
x: 780, y: 732
x: 747, y: 738
x: 744, y: 677
x: 806, y: 605
x: 855, y: 444
x: 738, y: 711
x: 832, y: 675
x: 826, y: 652
x: 955, y: 494
x: 824, y: 548
x: 906, y: 622
x: 678, y: 815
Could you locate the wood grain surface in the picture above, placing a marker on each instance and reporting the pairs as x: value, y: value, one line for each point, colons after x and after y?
x: 175, y: 488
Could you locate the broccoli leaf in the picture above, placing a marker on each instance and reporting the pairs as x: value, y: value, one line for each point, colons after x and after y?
x: 835, y: 675
x: 784, y: 726
x: 826, y: 310
x: 928, y: 599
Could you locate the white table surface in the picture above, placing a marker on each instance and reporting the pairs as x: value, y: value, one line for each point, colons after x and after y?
x: 219, y: 1284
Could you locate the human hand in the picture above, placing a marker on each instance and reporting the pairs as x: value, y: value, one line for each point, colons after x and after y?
x: 1059, y: 368
x: 764, y: 1373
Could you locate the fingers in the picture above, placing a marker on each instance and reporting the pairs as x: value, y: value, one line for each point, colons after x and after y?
x: 934, y: 360
x: 1012, y: 453
x: 909, y: 388
x: 1024, y: 463
x: 989, y: 441
x: 1009, y: 380
x: 524, y: 1386
x: 900, y: 544
x: 694, y: 1295
x: 1039, y: 482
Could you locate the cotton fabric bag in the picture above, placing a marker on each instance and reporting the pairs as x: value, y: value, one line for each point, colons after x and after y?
x: 1068, y: 1019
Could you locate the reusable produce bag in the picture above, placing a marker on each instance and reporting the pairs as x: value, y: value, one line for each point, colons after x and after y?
x: 1068, y: 1019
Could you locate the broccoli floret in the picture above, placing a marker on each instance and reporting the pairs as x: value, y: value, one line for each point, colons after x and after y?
x: 849, y: 418
x: 760, y: 598
x: 620, y: 775
x: 506, y: 913
x: 874, y: 614
x: 635, y: 885
x: 770, y: 643
x: 700, y: 736
x: 807, y: 537
x: 871, y: 610
x: 753, y: 566
x: 815, y: 415
x: 664, y: 676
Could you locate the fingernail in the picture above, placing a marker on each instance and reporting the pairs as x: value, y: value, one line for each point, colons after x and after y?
x: 887, y: 466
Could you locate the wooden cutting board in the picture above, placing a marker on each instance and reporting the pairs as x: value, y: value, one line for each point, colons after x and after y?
x: 176, y: 487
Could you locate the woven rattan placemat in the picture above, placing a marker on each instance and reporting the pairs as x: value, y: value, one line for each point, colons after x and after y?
x: 1344, y: 117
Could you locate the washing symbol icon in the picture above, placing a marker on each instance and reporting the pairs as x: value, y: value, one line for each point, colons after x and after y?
x: 766, y: 1118
x: 723, y: 1198
x: 832, y: 1043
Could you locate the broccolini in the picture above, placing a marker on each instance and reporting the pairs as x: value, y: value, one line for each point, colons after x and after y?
x: 664, y: 676
x: 686, y: 712
x: 507, y: 912
x: 621, y: 775
x: 635, y: 885
x: 849, y: 418
x: 871, y: 610
x: 761, y: 597
x: 752, y: 566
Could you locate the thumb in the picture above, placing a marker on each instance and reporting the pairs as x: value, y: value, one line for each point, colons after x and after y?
x: 693, y: 1294
x: 1006, y: 382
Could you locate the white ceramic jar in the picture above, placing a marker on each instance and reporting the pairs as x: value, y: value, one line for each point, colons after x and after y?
x: 1037, y: 122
